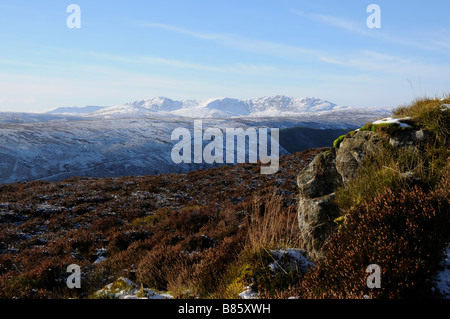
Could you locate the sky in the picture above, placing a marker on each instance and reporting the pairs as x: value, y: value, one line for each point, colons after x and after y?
x: 193, y: 49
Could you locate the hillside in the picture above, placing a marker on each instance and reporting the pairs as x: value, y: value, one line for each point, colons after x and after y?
x: 200, y: 217
x: 98, y: 147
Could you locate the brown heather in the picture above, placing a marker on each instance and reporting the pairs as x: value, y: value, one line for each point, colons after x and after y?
x: 404, y: 232
x: 402, y: 225
x: 169, y: 232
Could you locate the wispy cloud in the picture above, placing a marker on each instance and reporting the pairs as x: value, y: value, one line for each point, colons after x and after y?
x: 239, y: 68
x: 418, y: 41
x: 239, y: 42
x: 335, y: 21
x: 147, y: 60
x: 183, y: 31
x: 443, y: 44
x: 359, y: 60
x: 382, y: 63
x: 440, y: 38
x: 236, y: 68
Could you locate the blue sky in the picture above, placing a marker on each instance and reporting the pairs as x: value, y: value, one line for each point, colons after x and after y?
x: 136, y: 49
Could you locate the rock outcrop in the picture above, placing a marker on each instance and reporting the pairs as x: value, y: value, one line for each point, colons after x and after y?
x: 352, y: 151
x: 319, y: 181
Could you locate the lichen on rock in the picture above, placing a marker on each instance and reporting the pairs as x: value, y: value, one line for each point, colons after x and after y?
x: 335, y: 167
x: 317, y: 184
x: 352, y: 152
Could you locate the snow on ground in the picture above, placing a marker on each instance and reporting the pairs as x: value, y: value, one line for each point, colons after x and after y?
x: 290, y: 259
x: 249, y: 293
x: 390, y: 120
x: 99, y: 147
x: 101, y: 253
x: 442, y: 279
x: 285, y: 260
x: 124, y: 288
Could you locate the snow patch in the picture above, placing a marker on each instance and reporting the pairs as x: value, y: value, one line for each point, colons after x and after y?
x: 249, y: 293
x: 290, y: 259
x: 101, y: 255
x: 390, y: 120
x: 285, y: 260
x: 124, y: 288
x: 442, y: 278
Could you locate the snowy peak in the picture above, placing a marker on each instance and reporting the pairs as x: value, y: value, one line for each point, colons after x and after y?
x: 233, y: 106
x: 214, y: 108
x: 158, y: 104
x: 140, y: 108
x: 276, y: 106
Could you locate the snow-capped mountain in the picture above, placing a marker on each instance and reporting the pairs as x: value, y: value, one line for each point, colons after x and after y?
x: 135, y: 138
x: 277, y: 106
x: 214, y: 108
x: 287, y: 106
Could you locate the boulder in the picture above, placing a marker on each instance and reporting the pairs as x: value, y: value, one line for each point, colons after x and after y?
x: 320, y: 177
x: 316, y: 221
x: 318, y: 183
x: 352, y: 151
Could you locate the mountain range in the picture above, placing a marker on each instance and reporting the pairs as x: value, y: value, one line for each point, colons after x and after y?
x: 135, y: 138
x: 276, y: 106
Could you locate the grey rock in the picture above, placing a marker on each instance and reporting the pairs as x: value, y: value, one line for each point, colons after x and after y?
x: 316, y: 221
x: 352, y: 152
x: 320, y: 177
x: 316, y: 210
x: 320, y: 180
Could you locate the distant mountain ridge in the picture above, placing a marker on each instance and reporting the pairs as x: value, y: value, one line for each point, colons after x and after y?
x: 276, y: 106
x: 76, y: 110
x: 135, y: 138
